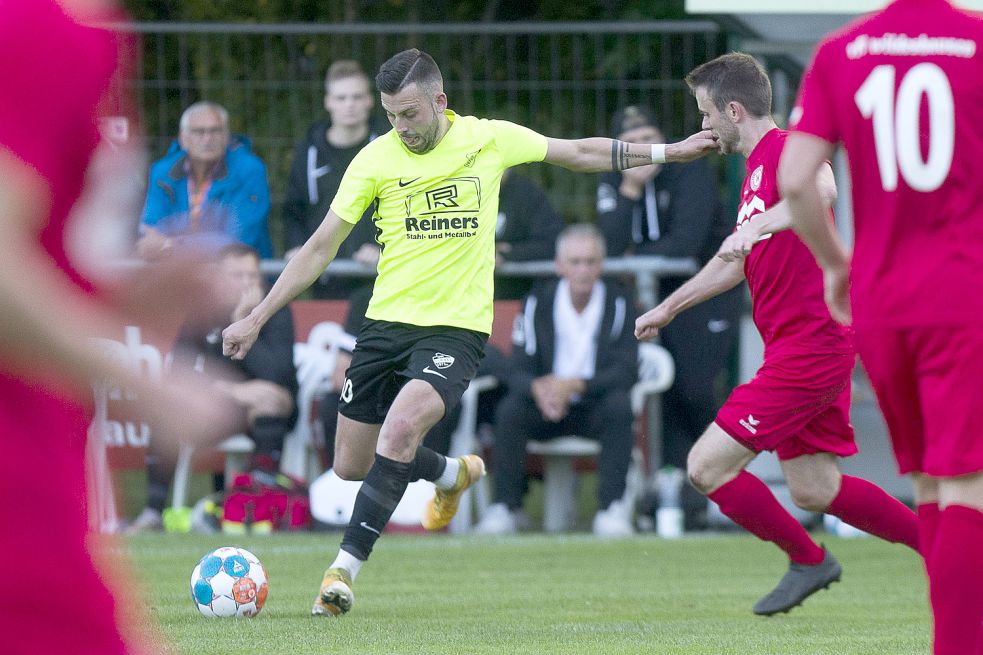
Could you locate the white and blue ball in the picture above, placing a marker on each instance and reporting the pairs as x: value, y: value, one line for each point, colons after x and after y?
x: 229, y: 581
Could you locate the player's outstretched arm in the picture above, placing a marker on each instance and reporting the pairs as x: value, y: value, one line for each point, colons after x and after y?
x: 597, y: 154
x: 777, y: 219
x: 713, y: 279
x: 299, y: 273
x: 801, y: 159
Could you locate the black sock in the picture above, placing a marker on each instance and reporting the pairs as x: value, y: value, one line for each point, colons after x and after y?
x: 159, y: 475
x: 427, y: 465
x: 381, y: 491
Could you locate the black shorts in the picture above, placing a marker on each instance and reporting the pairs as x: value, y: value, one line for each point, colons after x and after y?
x: 388, y: 355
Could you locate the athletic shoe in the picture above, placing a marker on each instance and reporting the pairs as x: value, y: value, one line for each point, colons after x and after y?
x: 443, y: 506
x: 613, y: 522
x: 800, y: 582
x: 336, y: 596
x: 149, y: 520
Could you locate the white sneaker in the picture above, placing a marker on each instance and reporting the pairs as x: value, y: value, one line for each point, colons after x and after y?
x: 149, y: 520
x: 615, y: 521
x: 497, y: 520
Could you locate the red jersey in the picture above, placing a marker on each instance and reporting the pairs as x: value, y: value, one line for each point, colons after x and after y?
x: 786, y: 283
x: 55, y: 73
x: 901, y: 89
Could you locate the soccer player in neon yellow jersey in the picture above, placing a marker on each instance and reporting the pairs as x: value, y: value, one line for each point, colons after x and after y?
x: 434, y: 180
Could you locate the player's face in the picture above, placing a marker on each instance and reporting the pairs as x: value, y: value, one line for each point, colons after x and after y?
x: 349, y: 102
x: 579, y: 261
x: 724, y: 131
x: 415, y: 115
x: 205, y: 136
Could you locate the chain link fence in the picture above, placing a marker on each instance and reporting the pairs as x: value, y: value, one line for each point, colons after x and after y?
x: 561, y: 79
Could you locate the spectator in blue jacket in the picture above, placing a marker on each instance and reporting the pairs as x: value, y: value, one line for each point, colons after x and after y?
x: 210, y: 190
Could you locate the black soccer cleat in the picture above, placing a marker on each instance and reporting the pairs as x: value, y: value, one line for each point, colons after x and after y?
x: 798, y: 583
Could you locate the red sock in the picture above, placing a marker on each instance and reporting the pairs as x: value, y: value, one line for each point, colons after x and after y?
x: 864, y: 505
x: 955, y: 577
x: 928, y: 527
x: 748, y: 502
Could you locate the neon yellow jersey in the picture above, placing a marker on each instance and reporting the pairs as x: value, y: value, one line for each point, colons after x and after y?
x: 435, y: 217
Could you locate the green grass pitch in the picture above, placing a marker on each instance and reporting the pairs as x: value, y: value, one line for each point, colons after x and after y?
x: 422, y: 595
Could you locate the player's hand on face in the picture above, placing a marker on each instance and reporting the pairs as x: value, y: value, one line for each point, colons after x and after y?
x: 647, y: 325
x: 238, y: 338
x: 693, y: 147
x: 837, y: 291
x: 738, y: 245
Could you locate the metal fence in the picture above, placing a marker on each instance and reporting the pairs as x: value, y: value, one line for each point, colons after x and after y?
x: 561, y: 79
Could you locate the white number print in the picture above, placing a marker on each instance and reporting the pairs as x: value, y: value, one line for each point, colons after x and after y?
x: 897, y: 129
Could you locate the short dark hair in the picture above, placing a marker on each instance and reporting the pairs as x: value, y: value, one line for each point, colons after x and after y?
x: 342, y: 70
x: 411, y: 66
x: 238, y: 250
x: 734, y: 77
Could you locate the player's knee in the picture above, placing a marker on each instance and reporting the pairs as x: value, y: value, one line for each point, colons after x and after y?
x: 400, y: 437
x: 702, y: 475
x: 812, y: 498
x: 351, y: 471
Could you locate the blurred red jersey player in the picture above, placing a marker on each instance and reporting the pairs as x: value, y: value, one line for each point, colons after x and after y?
x: 56, y: 72
x: 902, y: 90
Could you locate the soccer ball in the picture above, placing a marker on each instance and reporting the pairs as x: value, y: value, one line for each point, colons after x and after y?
x: 229, y: 582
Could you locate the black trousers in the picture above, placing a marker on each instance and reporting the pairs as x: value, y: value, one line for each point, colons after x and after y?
x: 701, y: 341
x: 607, y: 418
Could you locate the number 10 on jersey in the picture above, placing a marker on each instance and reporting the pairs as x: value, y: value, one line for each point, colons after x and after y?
x: 897, y: 126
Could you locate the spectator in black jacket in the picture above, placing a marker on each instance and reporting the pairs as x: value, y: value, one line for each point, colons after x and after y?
x: 319, y: 162
x: 573, y: 365
x: 526, y: 231
x: 675, y: 210
x: 263, y: 385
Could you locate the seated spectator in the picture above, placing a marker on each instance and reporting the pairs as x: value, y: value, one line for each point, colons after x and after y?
x: 526, y: 231
x: 574, y: 362
x: 263, y: 385
x: 675, y: 210
x: 208, y: 191
x: 319, y: 162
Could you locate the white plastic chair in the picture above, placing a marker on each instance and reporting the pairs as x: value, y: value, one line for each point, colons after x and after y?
x: 315, y: 361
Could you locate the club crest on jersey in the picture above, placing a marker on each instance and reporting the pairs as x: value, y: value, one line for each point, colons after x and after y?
x: 471, y: 156
x: 442, y: 361
x: 755, y: 181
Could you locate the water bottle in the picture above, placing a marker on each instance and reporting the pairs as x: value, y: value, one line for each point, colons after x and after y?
x: 669, y: 516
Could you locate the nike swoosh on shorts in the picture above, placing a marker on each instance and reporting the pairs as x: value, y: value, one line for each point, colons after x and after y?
x: 427, y: 369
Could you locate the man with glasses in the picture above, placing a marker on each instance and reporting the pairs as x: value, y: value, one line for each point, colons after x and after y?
x: 210, y: 190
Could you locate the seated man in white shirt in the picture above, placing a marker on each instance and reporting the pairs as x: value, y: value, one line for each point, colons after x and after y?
x: 574, y: 361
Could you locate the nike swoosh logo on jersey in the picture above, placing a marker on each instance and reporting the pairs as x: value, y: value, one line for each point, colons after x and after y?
x: 402, y: 183
x: 427, y: 369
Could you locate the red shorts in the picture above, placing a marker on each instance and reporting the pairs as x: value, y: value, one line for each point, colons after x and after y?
x: 795, y: 405
x: 929, y: 384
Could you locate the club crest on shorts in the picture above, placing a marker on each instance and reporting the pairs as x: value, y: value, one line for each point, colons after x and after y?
x: 442, y: 361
